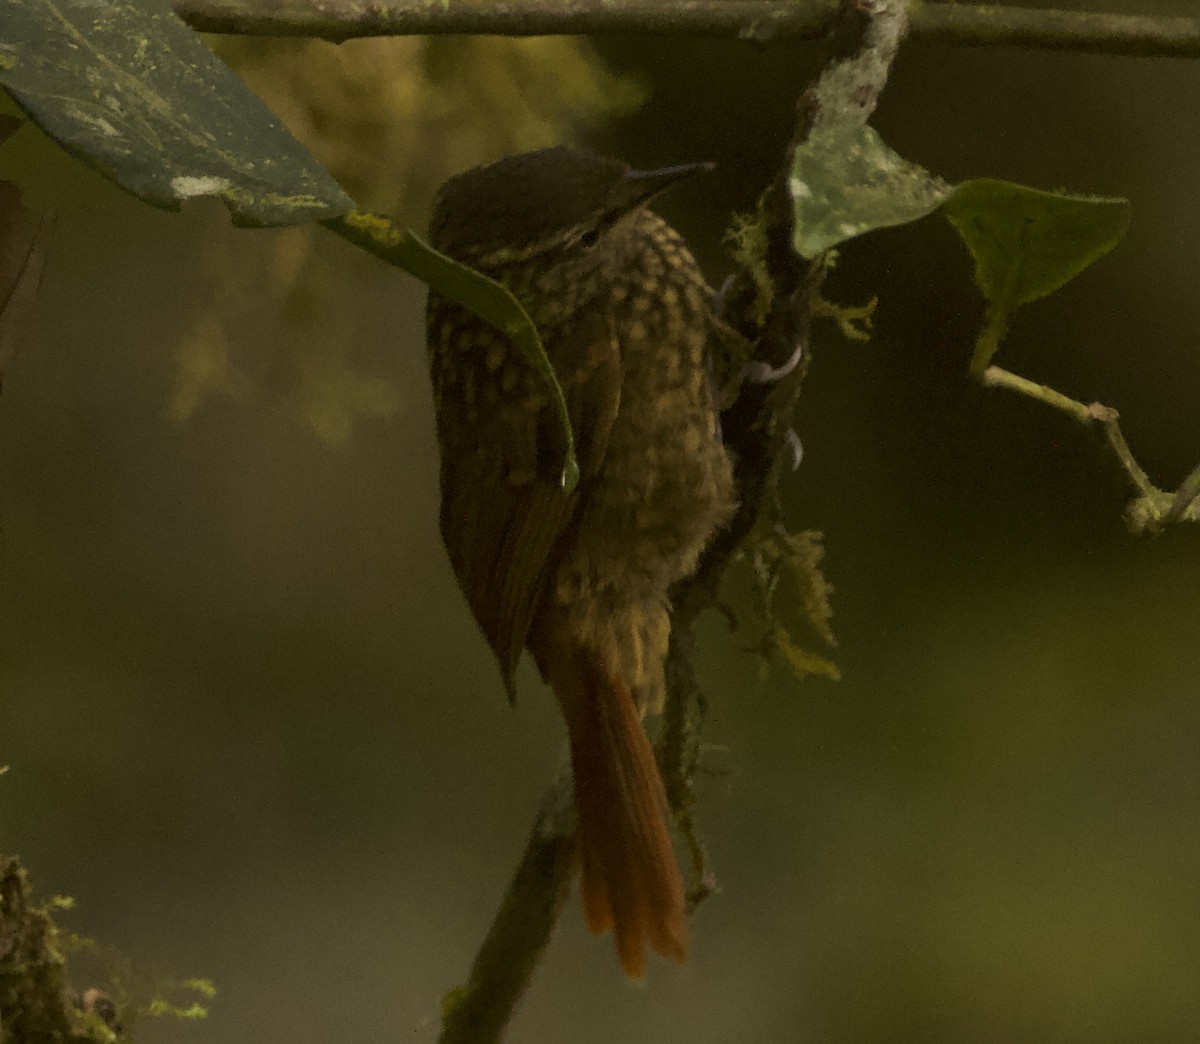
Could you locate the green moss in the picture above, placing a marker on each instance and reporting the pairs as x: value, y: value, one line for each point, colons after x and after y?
x: 34, y: 1008
x: 36, y: 1004
x: 747, y: 238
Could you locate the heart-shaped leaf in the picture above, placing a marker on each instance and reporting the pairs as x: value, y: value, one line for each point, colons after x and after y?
x: 1027, y: 243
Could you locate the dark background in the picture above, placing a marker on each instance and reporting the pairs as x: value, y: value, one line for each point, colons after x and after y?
x: 252, y: 729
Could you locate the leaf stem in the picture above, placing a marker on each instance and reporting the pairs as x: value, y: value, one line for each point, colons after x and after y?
x: 995, y: 326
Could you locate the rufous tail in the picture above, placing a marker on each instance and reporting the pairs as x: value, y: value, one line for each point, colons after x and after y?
x: 631, y: 882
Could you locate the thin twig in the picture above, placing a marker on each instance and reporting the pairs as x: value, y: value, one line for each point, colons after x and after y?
x: 971, y: 25
x: 1084, y: 413
x: 1187, y: 497
x: 996, y: 377
x: 1116, y: 441
x: 1155, y: 508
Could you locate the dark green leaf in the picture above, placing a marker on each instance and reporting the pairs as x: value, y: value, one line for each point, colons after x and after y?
x: 126, y: 86
x: 1027, y: 243
x: 845, y: 181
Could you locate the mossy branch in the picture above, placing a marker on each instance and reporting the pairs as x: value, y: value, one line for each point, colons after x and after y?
x: 756, y: 428
x: 34, y: 1002
x: 775, y: 319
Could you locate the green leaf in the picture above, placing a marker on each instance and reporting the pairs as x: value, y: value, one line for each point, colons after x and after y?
x: 484, y: 296
x: 845, y: 181
x: 127, y: 87
x: 1028, y: 243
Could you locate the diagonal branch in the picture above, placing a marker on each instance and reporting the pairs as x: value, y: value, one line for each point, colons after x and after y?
x: 972, y: 25
x: 756, y: 429
x: 479, y: 1011
x: 757, y: 426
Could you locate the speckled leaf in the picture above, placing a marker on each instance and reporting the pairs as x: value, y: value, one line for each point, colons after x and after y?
x: 1027, y: 243
x: 845, y: 181
x: 126, y: 86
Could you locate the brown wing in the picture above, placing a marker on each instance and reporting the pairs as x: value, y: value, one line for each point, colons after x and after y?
x: 504, y: 515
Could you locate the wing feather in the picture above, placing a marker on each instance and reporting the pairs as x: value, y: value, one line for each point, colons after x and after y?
x: 504, y: 516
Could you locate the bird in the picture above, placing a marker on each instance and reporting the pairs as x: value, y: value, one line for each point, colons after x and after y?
x: 580, y: 578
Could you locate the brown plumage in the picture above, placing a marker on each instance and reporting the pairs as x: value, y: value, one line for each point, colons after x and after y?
x: 581, y: 579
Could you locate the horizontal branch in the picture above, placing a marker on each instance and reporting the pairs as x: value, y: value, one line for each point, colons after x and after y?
x: 1093, y: 31
x: 756, y: 20
x: 343, y: 19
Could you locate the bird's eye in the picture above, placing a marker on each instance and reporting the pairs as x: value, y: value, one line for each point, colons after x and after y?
x: 590, y: 238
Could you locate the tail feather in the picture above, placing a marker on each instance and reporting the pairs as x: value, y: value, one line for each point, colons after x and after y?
x: 631, y: 883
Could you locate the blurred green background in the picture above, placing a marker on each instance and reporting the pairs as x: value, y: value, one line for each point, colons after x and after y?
x: 252, y: 729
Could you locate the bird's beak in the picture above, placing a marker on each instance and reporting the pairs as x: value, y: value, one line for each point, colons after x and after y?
x: 641, y: 185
